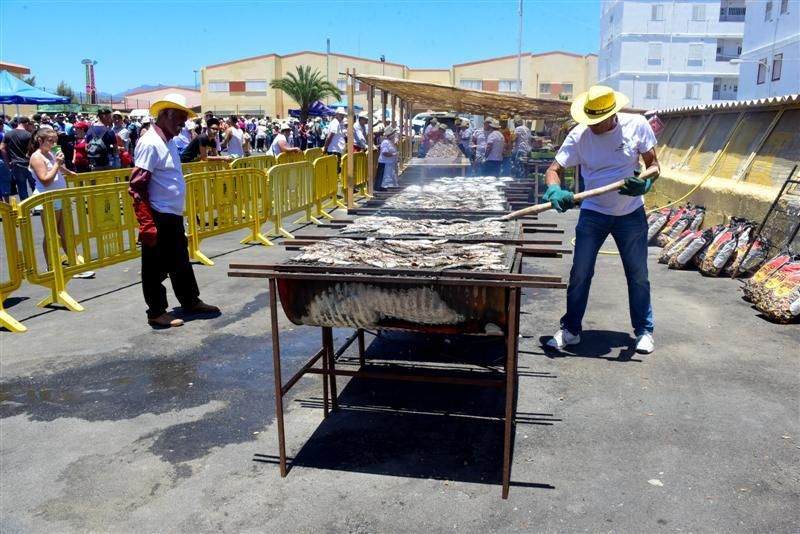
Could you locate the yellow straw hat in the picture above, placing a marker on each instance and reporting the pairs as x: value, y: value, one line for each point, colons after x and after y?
x: 171, y: 101
x: 597, y: 104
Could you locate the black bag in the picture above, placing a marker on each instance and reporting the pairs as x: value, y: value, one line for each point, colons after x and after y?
x: 97, y: 150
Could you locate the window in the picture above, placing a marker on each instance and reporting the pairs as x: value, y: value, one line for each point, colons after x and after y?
x: 762, y: 71
x: 768, y: 11
x: 471, y: 84
x: 218, y: 86
x: 236, y: 87
x: 652, y: 91
x: 699, y: 13
x: 657, y: 12
x: 341, y: 83
x: 695, y: 58
x: 544, y: 88
x: 255, y: 86
x: 654, y: 54
x: 777, y: 66
x: 508, y: 86
x: 692, y: 91
x: 737, y: 11
x: 566, y: 88
x: 784, y: 6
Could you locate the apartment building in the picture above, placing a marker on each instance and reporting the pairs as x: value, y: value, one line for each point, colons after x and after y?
x: 242, y: 86
x: 665, y: 54
x: 770, y: 59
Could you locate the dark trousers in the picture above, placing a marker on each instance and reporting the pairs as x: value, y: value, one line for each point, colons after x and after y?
x: 379, y: 177
x: 491, y: 168
x: 338, y: 160
x: 169, y: 257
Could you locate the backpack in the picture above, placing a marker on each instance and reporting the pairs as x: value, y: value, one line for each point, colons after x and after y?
x: 97, y: 150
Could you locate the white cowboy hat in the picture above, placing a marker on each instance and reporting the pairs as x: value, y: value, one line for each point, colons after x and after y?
x: 341, y: 111
x: 388, y: 131
x: 171, y: 101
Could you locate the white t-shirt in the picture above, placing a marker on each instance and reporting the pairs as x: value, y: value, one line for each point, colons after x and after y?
x: 275, y: 147
x: 607, y: 158
x: 498, y: 143
x: 337, y: 144
x: 167, y: 189
x: 185, y: 137
x: 480, y: 143
x: 57, y: 183
x: 235, y: 144
x: 388, y: 152
x: 359, y: 137
x: 522, y: 139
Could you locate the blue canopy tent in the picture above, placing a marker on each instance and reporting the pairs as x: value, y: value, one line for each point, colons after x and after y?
x: 317, y: 109
x: 343, y: 104
x: 15, y: 91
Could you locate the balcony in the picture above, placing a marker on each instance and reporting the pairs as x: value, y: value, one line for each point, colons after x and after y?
x: 732, y: 14
x: 723, y: 95
x: 726, y: 57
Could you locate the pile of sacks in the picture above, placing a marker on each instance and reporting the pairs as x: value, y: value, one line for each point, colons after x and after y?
x: 718, y: 250
x: 775, y: 288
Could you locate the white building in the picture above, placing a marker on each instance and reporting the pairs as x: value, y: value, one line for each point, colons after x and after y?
x: 771, y: 50
x: 675, y: 53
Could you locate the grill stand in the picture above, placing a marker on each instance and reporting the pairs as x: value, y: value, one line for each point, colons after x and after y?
x: 329, y: 372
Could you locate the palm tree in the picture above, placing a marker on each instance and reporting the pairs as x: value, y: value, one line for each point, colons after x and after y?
x: 305, y: 88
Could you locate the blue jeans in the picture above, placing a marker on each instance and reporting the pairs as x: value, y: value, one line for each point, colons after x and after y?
x: 491, y: 168
x: 630, y: 233
x: 22, y: 177
x: 506, y: 168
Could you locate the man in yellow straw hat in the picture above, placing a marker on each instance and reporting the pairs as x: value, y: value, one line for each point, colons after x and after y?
x: 158, y: 192
x: 607, y: 145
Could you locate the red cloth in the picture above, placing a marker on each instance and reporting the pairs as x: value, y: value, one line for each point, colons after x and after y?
x: 140, y: 179
x: 81, y: 158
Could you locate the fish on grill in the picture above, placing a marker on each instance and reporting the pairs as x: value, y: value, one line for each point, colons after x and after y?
x: 395, y: 226
x: 426, y: 254
x: 443, y: 151
x: 465, y: 197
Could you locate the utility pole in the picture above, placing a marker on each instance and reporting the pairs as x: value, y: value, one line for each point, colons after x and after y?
x: 519, y: 52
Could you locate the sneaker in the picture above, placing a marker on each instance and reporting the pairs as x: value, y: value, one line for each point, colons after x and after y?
x: 645, y: 344
x: 562, y: 338
x: 165, y: 320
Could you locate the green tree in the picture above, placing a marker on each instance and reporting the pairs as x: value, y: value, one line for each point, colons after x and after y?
x: 65, y: 90
x: 305, y: 88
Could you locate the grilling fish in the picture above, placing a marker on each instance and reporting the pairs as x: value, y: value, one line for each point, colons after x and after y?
x: 395, y: 226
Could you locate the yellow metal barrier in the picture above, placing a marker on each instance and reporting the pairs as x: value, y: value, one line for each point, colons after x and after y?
x: 94, y: 225
x: 360, y: 176
x: 204, y: 166
x: 312, y: 154
x: 262, y: 162
x: 14, y: 264
x: 326, y: 186
x: 289, y: 157
x: 223, y: 201
x: 112, y: 176
x: 292, y: 192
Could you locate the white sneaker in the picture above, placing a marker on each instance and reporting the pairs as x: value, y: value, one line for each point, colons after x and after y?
x: 562, y: 338
x: 645, y: 344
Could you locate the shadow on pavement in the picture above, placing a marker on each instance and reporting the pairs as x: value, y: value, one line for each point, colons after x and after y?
x: 594, y: 344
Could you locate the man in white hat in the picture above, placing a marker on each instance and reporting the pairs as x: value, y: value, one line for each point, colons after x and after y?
x: 281, y: 142
x: 607, y: 145
x: 360, y: 132
x: 335, y: 142
x: 495, y: 143
x: 158, y: 192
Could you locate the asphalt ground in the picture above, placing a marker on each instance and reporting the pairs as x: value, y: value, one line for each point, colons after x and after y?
x: 108, y: 425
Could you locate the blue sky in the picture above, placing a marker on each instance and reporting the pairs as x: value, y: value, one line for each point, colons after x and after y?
x: 151, y: 42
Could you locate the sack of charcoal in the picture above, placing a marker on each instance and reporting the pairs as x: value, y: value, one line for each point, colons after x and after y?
x: 780, y: 299
x: 759, y: 248
x: 673, y: 246
x: 695, y: 243
x: 720, y: 250
x: 656, y: 221
x: 753, y: 287
x: 664, y: 235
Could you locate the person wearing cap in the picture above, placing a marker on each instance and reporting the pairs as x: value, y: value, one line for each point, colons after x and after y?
x: 80, y: 159
x: 360, y: 143
x: 607, y: 145
x: 281, y: 142
x: 386, y: 174
x: 464, y: 137
x: 335, y: 141
x: 493, y: 154
x: 522, y: 145
x: 158, y: 190
x: 102, y: 129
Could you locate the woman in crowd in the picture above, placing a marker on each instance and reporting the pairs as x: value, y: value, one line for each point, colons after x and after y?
x: 281, y: 142
x: 80, y: 159
x: 234, y: 138
x: 46, y: 169
x: 386, y: 175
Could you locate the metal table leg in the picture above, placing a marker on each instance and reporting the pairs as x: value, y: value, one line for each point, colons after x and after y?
x: 276, y: 364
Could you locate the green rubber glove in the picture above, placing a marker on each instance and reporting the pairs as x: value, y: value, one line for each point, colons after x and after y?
x: 560, y: 199
x: 635, y: 187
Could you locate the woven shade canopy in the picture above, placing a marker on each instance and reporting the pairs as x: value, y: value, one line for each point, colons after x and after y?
x: 445, y: 97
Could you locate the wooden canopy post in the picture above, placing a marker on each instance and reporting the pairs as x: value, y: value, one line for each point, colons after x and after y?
x: 402, y: 158
x: 394, y: 112
x: 348, y: 193
x: 384, y: 101
x: 370, y: 139
x: 409, y: 131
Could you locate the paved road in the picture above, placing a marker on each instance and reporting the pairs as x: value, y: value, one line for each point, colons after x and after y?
x: 108, y: 425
